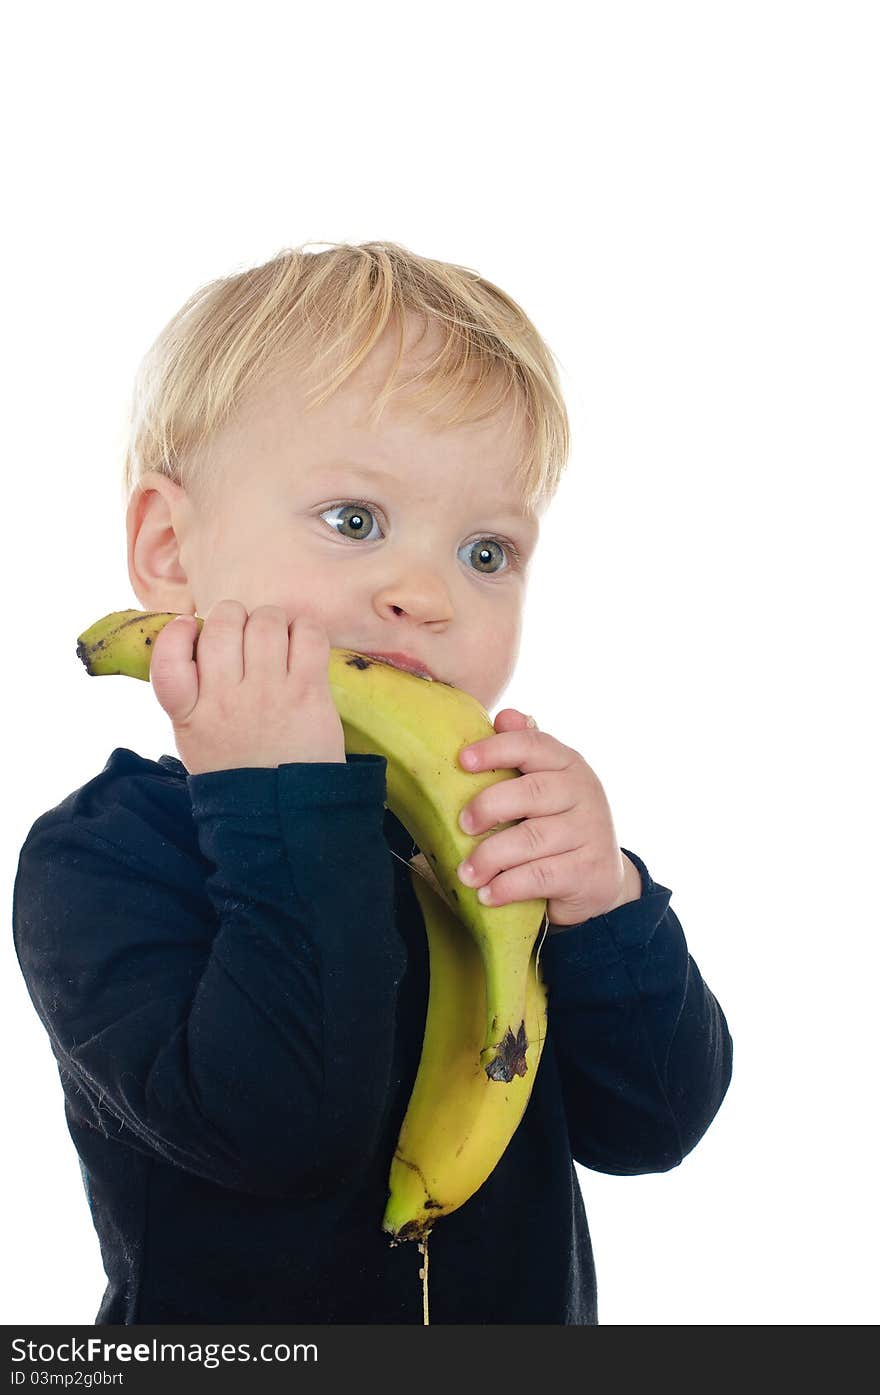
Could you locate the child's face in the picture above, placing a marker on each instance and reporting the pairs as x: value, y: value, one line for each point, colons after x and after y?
x: 389, y: 562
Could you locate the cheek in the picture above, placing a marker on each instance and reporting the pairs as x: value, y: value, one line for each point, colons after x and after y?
x: 323, y: 597
x: 501, y: 636
x: 266, y: 576
x: 492, y: 661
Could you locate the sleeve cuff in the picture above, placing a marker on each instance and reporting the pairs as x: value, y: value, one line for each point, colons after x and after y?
x: 647, y: 883
x: 607, y: 939
x: 254, y: 791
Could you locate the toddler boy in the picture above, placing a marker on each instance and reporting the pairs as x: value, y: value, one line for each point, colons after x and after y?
x: 224, y: 946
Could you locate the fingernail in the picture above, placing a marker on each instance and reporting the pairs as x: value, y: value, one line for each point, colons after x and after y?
x: 485, y: 895
x: 530, y: 722
x: 469, y: 758
x: 465, y: 871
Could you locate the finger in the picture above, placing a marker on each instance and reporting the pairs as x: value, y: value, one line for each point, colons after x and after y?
x: 266, y: 642
x: 533, y: 840
x: 511, y: 719
x: 556, y: 876
x: 309, y: 658
x: 220, y: 651
x: 525, y: 750
x: 173, y: 669
x: 526, y: 796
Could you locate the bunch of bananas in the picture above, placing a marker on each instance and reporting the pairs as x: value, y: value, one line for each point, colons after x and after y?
x: 487, y: 1001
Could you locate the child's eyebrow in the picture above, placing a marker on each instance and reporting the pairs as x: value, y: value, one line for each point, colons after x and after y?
x: 347, y: 467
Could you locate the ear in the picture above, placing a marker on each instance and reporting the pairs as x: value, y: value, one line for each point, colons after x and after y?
x: 155, y: 511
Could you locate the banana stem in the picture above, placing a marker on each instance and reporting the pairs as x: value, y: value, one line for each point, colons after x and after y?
x: 423, y: 1275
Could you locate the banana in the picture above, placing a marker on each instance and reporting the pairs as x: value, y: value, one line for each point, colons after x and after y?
x: 419, y: 726
x: 458, y: 1123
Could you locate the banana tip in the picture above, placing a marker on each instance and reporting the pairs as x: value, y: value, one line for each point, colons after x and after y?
x: 83, y: 653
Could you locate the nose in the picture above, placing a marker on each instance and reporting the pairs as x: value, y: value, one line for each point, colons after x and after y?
x: 419, y: 592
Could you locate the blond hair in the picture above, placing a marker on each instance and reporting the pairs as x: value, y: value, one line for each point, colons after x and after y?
x: 302, y: 308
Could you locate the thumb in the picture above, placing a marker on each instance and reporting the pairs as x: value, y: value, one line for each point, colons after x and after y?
x: 174, y: 674
x: 511, y: 719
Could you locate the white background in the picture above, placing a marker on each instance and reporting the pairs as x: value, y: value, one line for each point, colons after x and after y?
x: 684, y: 198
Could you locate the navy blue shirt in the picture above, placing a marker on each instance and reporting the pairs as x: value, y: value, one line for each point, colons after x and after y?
x: 232, y: 970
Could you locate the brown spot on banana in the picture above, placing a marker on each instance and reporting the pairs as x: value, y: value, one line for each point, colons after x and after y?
x: 511, y: 1058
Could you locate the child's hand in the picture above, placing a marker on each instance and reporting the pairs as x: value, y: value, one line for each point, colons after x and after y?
x: 257, y: 692
x: 565, y: 849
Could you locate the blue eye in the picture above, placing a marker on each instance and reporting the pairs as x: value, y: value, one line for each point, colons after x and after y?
x: 358, y: 517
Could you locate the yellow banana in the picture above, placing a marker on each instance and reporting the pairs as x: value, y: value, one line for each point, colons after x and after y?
x: 419, y: 726
x: 458, y: 1123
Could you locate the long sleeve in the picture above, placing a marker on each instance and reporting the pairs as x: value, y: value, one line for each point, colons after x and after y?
x: 232, y: 1015
x: 643, y: 1049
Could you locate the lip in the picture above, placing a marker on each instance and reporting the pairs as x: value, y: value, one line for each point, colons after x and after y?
x: 402, y: 661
